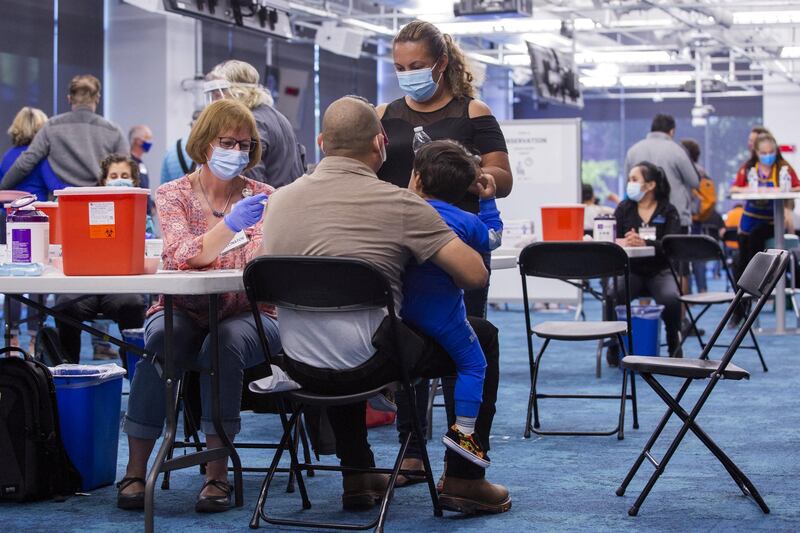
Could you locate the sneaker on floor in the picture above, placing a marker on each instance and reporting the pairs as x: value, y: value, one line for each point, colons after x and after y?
x: 384, y: 402
x: 104, y: 353
x: 470, y: 496
x: 467, y: 446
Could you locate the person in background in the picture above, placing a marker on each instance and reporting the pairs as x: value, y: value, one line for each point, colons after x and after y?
x: 648, y: 193
x: 177, y: 162
x: 704, y: 203
x: 41, y: 181
x: 127, y: 310
x: 282, y: 156
x: 755, y: 131
x: 73, y: 142
x: 591, y: 208
x: 439, y: 96
x: 141, y: 139
x: 660, y: 149
x: 201, y: 214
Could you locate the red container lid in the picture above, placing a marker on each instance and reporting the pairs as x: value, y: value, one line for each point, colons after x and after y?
x: 101, y: 191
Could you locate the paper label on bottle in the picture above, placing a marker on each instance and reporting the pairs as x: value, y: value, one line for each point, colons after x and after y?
x: 101, y: 213
x: 20, y: 245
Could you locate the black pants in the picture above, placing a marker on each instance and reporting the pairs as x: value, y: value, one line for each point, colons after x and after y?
x: 431, y: 361
x: 127, y: 310
x: 752, y: 243
x: 661, y: 286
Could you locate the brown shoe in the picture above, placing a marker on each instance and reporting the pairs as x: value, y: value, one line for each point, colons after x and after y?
x: 410, y: 464
x: 471, y: 496
x: 363, y: 491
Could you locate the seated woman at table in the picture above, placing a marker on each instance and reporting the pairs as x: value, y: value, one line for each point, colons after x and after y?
x: 646, y: 209
x: 209, y: 220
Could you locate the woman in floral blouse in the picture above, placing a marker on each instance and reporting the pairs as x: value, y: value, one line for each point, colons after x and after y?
x: 210, y: 220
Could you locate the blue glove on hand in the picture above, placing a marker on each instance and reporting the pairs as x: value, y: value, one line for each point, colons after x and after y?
x: 245, y: 212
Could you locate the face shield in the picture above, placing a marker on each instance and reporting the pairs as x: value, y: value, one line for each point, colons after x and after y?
x: 214, y: 90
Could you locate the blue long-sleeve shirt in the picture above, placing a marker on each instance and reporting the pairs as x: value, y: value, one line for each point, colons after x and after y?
x: 430, y: 296
x: 41, y: 181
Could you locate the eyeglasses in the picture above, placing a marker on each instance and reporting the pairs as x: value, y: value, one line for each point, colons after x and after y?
x: 245, y: 145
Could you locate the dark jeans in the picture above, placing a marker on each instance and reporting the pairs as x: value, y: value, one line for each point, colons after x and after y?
x: 127, y: 310
x: 431, y: 361
x: 661, y: 286
x: 699, y: 267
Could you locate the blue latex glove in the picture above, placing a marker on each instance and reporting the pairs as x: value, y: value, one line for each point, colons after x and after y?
x: 245, y: 212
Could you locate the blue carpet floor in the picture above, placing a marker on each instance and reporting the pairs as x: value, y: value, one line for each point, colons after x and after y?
x: 557, y: 483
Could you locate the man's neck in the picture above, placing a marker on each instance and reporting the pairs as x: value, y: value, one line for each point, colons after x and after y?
x: 137, y: 153
x: 90, y: 107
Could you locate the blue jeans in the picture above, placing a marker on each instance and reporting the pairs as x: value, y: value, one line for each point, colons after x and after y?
x: 240, y: 348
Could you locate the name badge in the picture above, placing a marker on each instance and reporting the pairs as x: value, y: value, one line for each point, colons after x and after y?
x: 648, y: 233
x: 238, y: 240
x: 658, y: 220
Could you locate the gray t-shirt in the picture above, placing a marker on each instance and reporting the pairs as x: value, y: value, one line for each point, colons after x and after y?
x: 343, y: 210
x: 281, y: 161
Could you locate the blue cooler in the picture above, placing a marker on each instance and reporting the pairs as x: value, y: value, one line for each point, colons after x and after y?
x: 646, y: 329
x: 135, y: 337
x: 89, y: 398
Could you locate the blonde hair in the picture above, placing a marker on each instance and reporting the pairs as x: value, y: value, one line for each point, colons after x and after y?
x: 84, y: 89
x: 27, y: 122
x: 217, y: 117
x: 457, y: 74
x: 244, y: 80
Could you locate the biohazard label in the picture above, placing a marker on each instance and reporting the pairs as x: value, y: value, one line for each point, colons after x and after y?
x: 105, y: 231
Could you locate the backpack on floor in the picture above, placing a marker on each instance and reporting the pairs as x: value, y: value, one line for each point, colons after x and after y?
x: 33, y: 462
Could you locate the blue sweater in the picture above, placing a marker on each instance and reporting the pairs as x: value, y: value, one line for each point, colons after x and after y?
x: 41, y: 181
x: 430, y: 295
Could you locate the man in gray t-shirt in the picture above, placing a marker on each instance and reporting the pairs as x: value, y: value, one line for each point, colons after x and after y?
x: 660, y: 148
x: 343, y: 209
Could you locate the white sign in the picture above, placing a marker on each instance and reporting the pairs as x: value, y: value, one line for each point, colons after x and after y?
x: 101, y: 213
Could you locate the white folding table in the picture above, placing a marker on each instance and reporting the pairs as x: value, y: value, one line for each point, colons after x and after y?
x: 168, y: 283
x: 777, y: 198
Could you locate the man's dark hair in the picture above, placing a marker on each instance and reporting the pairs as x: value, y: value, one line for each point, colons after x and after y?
x: 693, y: 148
x: 663, y: 123
x: 587, y: 192
x: 445, y: 169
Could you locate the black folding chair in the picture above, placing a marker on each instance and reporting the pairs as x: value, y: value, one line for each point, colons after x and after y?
x: 319, y: 284
x: 687, y: 248
x: 570, y: 261
x: 758, y: 281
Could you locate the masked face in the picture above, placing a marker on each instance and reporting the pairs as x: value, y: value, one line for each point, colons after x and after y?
x: 121, y: 182
x: 226, y: 164
x: 146, y: 145
x: 419, y: 84
x: 768, y: 159
x: 634, y: 191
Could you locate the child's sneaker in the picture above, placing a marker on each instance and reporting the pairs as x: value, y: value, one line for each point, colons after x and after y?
x: 467, y: 446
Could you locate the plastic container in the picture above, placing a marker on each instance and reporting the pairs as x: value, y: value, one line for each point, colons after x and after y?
x: 605, y: 228
x: 646, y: 329
x: 102, y: 230
x: 89, y: 398
x: 51, y: 210
x: 562, y: 222
x: 27, y: 232
x: 135, y: 337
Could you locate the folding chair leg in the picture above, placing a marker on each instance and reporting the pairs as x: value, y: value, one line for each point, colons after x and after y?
x: 429, y: 411
x: 533, y: 404
x: 650, y: 442
x: 633, y: 401
x: 598, y: 371
x: 426, y: 463
x: 623, y: 396
x: 758, y: 350
x: 306, y: 447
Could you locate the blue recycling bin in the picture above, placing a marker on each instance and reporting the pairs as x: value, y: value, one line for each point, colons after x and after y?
x: 89, y: 401
x: 646, y: 329
x: 135, y: 337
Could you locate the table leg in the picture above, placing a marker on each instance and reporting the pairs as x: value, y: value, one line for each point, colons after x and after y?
x: 216, y: 416
x: 171, y: 399
x: 780, y: 288
x: 7, y: 319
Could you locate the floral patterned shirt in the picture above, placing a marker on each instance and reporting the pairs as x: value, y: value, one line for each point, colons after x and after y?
x: 183, y: 224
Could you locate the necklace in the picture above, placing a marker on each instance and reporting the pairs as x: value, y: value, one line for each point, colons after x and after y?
x: 218, y: 214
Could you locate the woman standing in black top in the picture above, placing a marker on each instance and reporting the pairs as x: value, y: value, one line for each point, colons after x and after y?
x: 646, y: 208
x: 433, y: 74
x: 432, y: 71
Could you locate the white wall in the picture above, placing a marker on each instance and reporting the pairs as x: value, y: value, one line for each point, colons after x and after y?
x: 147, y: 56
x: 782, y: 114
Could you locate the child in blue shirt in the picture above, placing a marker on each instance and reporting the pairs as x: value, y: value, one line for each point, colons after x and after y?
x: 443, y: 171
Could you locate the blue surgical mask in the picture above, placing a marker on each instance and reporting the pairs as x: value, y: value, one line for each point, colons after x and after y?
x: 121, y: 182
x: 768, y: 159
x: 146, y: 146
x: 418, y: 84
x: 227, y: 164
x: 634, y: 191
